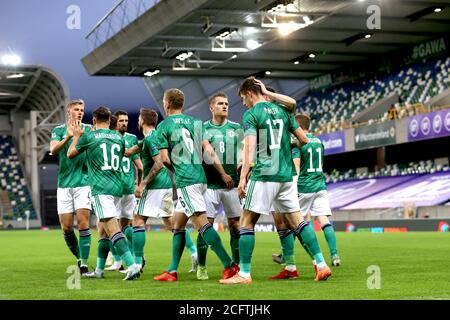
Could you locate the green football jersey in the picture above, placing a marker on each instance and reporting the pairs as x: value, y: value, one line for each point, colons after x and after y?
x: 72, y: 173
x: 272, y: 125
x: 181, y: 135
x: 149, y: 149
x: 311, y: 178
x: 128, y: 170
x: 225, y: 140
x: 104, y: 151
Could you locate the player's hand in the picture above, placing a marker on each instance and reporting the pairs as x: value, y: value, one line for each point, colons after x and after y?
x: 228, y: 181
x: 69, y: 130
x: 76, y: 127
x: 127, y: 153
x: 261, y: 85
x: 249, y: 174
x: 241, y: 188
x: 138, y: 191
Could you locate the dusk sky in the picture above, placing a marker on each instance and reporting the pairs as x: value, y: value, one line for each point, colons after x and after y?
x: 36, y: 30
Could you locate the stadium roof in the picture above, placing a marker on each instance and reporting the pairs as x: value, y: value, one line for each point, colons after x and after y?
x: 32, y: 88
x: 188, y: 29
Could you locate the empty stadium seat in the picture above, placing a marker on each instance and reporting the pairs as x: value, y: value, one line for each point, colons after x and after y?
x: 12, y: 180
x: 329, y: 108
x: 423, y: 167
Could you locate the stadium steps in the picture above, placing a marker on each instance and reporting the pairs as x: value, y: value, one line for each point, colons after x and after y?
x: 5, y: 203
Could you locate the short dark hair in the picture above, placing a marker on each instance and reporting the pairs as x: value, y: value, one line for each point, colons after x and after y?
x: 102, y: 114
x: 113, y: 122
x: 216, y: 95
x: 303, y: 121
x: 175, y: 97
x: 149, y: 116
x: 248, y: 85
x: 120, y: 113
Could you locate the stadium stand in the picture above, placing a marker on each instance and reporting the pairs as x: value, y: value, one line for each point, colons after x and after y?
x: 335, y: 107
x: 13, y: 183
x: 391, y: 170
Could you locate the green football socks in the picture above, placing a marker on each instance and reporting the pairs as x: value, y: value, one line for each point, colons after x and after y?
x: 330, y: 236
x: 102, y: 253
x: 307, y: 235
x: 138, y: 244
x: 120, y: 244
x: 72, y: 243
x: 178, y: 243
x: 234, y: 244
x: 212, y: 239
x: 246, y: 247
x: 190, y: 244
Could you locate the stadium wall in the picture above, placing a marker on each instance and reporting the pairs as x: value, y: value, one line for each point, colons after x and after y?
x: 376, y: 214
x: 5, y: 125
x: 404, y: 225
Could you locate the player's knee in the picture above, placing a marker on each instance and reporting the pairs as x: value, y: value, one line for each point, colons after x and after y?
x: 233, y: 225
x: 66, y: 229
x: 138, y: 221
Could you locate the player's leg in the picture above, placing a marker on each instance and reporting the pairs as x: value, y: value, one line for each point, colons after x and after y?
x: 330, y: 237
x: 234, y: 226
x: 147, y: 206
x: 127, y: 230
x: 178, y: 243
x: 82, y: 206
x: 120, y: 244
x: 166, y: 213
x: 83, y: 220
x: 287, y: 246
x: 202, y: 247
x: 139, y: 238
x: 212, y: 205
x: 232, y: 208
x: 117, y: 264
x: 192, y: 249
x: 66, y: 222
x: 259, y: 199
x: 168, y: 222
x: 321, y: 209
x: 246, y: 247
x: 213, y: 240
x: 127, y: 205
x: 107, y: 208
x: 306, y: 235
x: 287, y: 203
x: 283, y: 233
x: 66, y: 215
x: 306, y: 201
x: 102, y: 252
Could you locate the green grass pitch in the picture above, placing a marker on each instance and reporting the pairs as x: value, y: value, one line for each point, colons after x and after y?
x: 33, y: 265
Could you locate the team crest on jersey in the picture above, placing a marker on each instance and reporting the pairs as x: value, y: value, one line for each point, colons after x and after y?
x: 231, y: 134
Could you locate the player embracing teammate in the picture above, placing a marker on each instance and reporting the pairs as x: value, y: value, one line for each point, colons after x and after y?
x: 204, y: 159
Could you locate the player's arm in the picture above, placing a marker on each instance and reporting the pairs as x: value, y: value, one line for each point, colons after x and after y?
x: 212, y: 157
x: 156, y: 168
x: 164, y: 153
x: 247, y: 163
x: 132, y: 151
x: 56, y: 146
x: 297, y: 165
x: 284, y: 101
x: 139, y: 170
x: 77, y: 133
